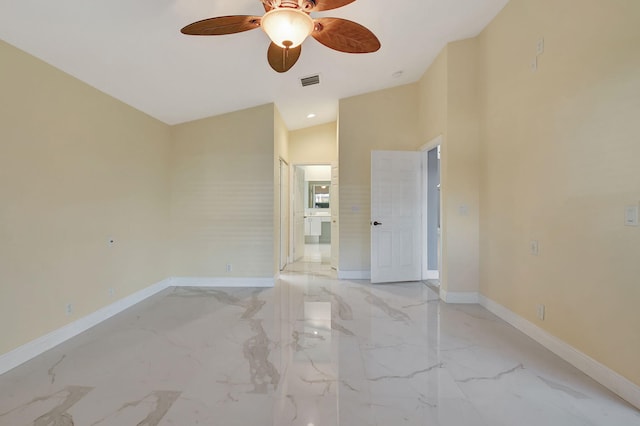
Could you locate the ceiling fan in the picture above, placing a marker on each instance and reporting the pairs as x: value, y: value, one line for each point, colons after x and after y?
x: 288, y: 23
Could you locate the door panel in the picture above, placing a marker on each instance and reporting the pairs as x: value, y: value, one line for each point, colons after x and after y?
x: 396, y: 245
x: 298, y: 213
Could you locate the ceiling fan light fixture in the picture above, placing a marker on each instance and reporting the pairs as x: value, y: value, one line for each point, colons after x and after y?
x: 287, y: 27
x: 288, y: 23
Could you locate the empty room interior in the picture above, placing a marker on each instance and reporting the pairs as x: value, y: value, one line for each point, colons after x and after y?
x: 438, y: 229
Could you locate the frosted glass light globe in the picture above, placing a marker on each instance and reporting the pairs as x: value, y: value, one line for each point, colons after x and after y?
x: 287, y: 27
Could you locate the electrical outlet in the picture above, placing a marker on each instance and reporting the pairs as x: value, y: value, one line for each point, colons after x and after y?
x: 541, y: 310
x: 534, y: 247
x: 112, y: 292
x: 69, y: 309
x: 631, y: 215
x: 229, y: 267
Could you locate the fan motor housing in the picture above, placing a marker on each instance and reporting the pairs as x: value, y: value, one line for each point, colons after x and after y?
x: 304, y: 5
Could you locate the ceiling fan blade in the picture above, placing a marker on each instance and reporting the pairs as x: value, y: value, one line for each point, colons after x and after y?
x: 267, y: 6
x: 330, y: 4
x: 345, y: 36
x: 222, y: 25
x: 281, y: 59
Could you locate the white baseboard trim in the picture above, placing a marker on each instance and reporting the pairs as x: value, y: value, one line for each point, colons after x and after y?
x: 222, y: 282
x: 618, y: 384
x: 458, y: 297
x: 30, y: 350
x: 431, y: 275
x: 354, y: 275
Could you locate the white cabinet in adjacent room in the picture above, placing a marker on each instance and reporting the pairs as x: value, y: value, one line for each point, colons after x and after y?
x: 313, y: 226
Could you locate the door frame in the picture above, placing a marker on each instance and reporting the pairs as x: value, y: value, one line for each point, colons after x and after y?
x: 285, y: 218
x: 426, y: 272
x: 292, y: 204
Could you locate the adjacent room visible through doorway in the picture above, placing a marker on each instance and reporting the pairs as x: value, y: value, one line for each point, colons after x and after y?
x: 311, y: 205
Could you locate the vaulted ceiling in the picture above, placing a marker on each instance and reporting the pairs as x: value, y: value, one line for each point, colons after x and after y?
x: 133, y: 50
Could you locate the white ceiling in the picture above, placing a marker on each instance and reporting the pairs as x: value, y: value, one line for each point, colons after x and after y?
x: 133, y: 50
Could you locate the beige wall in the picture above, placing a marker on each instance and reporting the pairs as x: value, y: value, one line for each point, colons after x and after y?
x: 314, y: 145
x: 460, y: 186
x: 383, y: 120
x: 449, y: 108
x: 222, y: 195
x: 76, y: 169
x: 432, y: 107
x: 559, y: 163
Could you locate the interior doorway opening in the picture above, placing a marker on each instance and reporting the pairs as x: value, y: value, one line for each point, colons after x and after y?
x: 431, y: 264
x: 312, y: 198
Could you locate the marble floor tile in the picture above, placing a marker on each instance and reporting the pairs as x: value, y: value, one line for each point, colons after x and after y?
x: 312, y: 351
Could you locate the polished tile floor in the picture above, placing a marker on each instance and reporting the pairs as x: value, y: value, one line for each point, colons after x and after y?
x: 313, y: 351
x: 317, y: 253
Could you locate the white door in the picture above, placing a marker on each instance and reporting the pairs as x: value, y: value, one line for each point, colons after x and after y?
x: 298, y: 213
x: 396, y: 216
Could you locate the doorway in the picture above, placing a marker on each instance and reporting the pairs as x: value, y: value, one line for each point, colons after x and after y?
x: 311, y: 207
x: 405, y: 197
x: 432, y: 208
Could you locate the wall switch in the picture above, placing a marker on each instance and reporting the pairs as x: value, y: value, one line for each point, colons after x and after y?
x: 541, y: 312
x: 463, y: 210
x: 631, y: 215
x: 540, y: 46
x: 69, y: 309
x: 534, y: 247
x: 111, y: 292
x: 229, y: 267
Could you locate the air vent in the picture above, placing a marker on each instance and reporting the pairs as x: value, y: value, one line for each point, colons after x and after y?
x: 310, y: 81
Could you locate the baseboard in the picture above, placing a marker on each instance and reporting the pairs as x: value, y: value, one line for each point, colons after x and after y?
x: 354, y: 275
x: 431, y: 275
x: 42, y: 344
x: 222, y: 282
x: 458, y: 297
x: 618, y: 384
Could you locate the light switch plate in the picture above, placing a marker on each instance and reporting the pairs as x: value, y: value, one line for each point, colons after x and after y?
x: 534, y: 248
x: 540, y: 46
x: 541, y: 312
x: 631, y: 215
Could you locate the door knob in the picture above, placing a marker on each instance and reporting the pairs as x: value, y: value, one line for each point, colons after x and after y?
x: 376, y: 223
